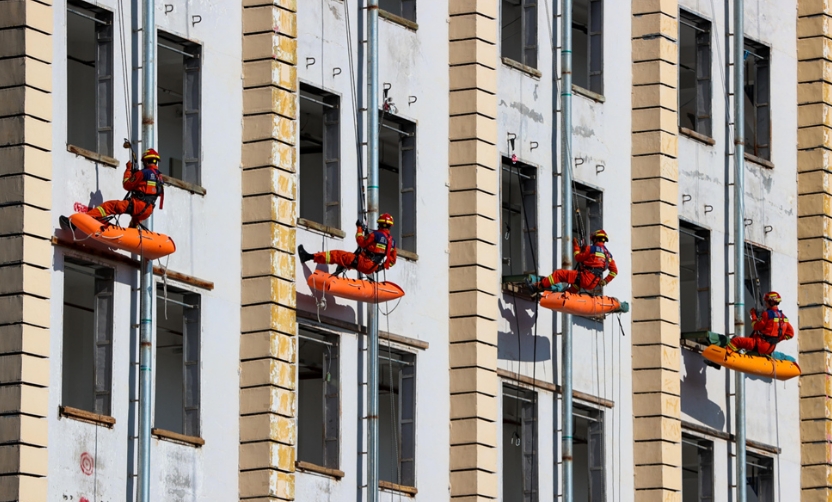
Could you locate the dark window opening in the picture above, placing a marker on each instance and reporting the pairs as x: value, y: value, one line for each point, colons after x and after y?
x: 405, y: 9
x: 519, y: 218
x: 759, y: 478
x: 320, y: 157
x: 694, y: 73
x: 397, y: 178
x: 588, y: 44
x: 757, y: 100
x: 89, y: 54
x: 519, y: 31
x: 318, y: 398
x: 397, y: 417
x: 178, y: 339
x: 87, y: 359
x: 697, y: 470
x: 694, y: 278
x: 179, y: 96
x: 589, y: 212
x: 590, y: 480
x: 757, y: 280
x: 519, y: 445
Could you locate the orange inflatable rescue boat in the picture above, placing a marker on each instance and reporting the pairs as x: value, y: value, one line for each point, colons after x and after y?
x: 354, y: 289
x: 763, y: 366
x: 582, y: 304
x: 151, y: 245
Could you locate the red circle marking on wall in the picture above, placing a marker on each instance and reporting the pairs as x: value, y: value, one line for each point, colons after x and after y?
x: 87, y: 463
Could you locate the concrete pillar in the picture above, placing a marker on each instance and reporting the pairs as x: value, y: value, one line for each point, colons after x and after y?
x: 474, y: 252
x: 268, y: 343
x: 814, y: 31
x: 655, y: 174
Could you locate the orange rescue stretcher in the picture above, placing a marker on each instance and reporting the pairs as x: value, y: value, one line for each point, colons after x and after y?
x: 582, y: 304
x: 354, y: 289
x: 150, y: 245
x: 763, y: 366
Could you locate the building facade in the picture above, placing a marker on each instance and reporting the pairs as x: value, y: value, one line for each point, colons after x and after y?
x: 260, y: 384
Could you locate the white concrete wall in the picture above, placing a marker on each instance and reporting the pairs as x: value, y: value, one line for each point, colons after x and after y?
x: 206, y: 231
x: 771, y: 200
x: 415, y: 63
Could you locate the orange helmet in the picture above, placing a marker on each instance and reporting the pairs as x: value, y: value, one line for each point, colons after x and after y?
x: 150, y: 155
x: 385, y: 219
x: 600, y: 235
x: 772, y: 297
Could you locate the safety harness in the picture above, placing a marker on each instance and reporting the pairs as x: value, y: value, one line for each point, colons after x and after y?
x: 780, y: 318
x: 151, y: 179
x: 378, y: 252
x: 598, y: 272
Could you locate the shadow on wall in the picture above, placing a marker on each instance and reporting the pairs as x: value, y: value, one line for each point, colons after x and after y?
x: 509, y: 345
x: 695, y: 402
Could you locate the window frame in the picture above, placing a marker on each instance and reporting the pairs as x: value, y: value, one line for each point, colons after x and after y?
x: 703, y: 89
x: 702, y: 262
x: 406, y: 227
x: 595, y: 38
x: 762, y: 257
x: 594, y: 198
x: 407, y: 10
x: 330, y: 153
x: 529, y: 45
x: 596, y: 449
x: 528, y: 220
x: 529, y: 437
x: 705, y: 466
x: 104, y: 119
x: 102, y: 336
x: 765, y: 483
x: 760, y: 109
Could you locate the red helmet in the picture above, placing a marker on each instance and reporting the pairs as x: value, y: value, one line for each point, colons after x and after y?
x: 772, y: 297
x: 385, y: 219
x: 600, y: 235
x: 150, y: 155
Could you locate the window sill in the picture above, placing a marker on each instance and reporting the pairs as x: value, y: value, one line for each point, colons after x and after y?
x: 324, y: 229
x: 407, y: 23
x: 407, y: 255
x: 760, y: 161
x: 95, y: 157
x: 317, y: 469
x: 184, y: 185
x: 407, y: 490
x: 87, y: 416
x: 690, y: 133
x: 580, y: 91
x: 177, y: 438
x: 533, y: 72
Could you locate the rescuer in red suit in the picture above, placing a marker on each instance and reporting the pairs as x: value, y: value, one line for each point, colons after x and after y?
x: 770, y: 328
x: 376, y: 249
x: 592, y: 261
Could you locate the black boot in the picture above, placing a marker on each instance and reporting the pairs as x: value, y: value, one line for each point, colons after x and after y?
x: 304, y: 256
x: 65, y: 223
x: 339, y: 270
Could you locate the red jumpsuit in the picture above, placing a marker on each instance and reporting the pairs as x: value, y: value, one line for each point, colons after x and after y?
x: 592, y: 262
x: 378, y: 243
x: 144, y: 187
x: 770, y: 328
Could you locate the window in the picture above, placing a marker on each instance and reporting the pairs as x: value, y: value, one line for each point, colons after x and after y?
x: 178, y: 337
x: 588, y: 44
x: 87, y: 364
x: 759, y: 472
x: 89, y: 67
x: 179, y: 95
x: 519, y: 445
x: 519, y: 218
x: 588, y: 441
x: 519, y: 31
x: 589, y: 205
x: 694, y: 73
x: 695, y: 278
x: 757, y: 279
x: 320, y: 157
x: 397, y: 417
x: 757, y: 100
x: 397, y: 178
x: 318, y: 399
x: 697, y: 469
x: 403, y: 8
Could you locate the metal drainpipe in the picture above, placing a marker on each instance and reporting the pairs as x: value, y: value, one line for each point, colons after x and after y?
x: 566, y: 249
x: 146, y: 283
x: 739, y: 234
x: 372, y: 216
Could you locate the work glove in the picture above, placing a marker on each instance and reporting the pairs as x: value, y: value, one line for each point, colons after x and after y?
x: 575, y: 245
x: 753, y: 313
x: 130, y: 165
